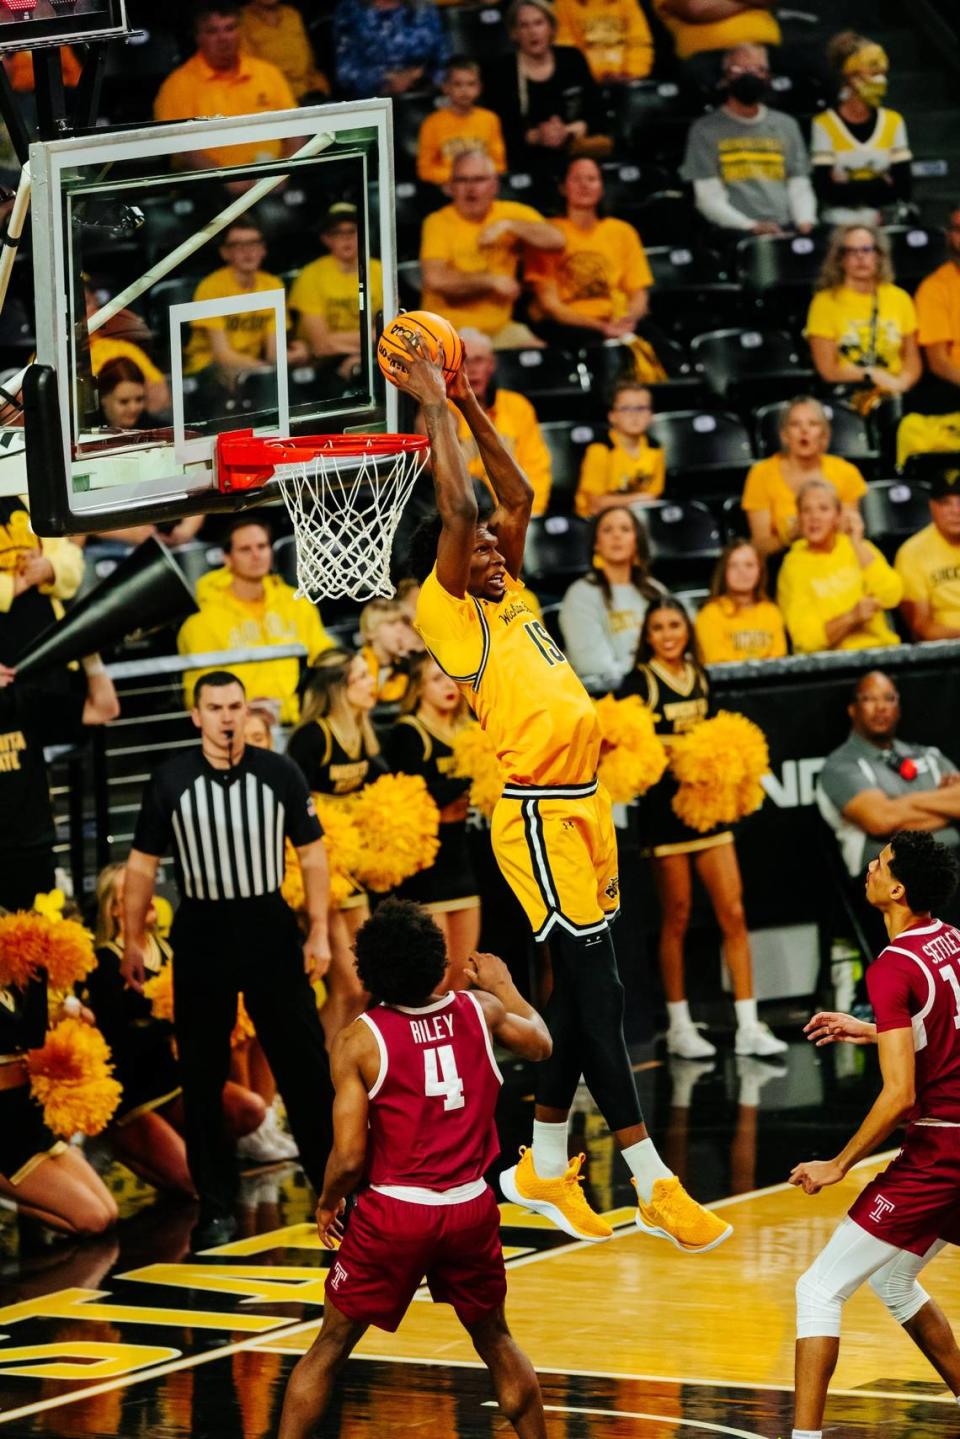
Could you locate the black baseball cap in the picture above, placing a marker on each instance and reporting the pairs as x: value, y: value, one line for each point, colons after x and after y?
x: 944, y: 484
x: 343, y: 212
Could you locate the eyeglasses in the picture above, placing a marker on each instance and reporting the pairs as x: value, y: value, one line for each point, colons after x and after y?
x: 860, y: 249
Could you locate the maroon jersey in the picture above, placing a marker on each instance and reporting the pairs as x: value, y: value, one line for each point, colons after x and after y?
x: 916, y: 982
x: 432, y: 1106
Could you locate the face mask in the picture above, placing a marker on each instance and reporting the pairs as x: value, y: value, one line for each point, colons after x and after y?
x: 870, y: 89
x: 748, y: 89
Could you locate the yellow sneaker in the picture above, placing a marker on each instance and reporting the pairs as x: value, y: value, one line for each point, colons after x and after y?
x: 560, y: 1200
x: 672, y: 1214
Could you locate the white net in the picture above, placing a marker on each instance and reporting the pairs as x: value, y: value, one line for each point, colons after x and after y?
x: 345, y: 511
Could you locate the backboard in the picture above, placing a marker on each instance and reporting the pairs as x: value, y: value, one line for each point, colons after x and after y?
x: 28, y: 24
x: 193, y: 251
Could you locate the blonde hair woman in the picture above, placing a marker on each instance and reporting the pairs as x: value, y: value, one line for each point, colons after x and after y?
x: 861, y: 327
x: 770, y: 493
x: 421, y: 742
x: 739, y: 621
x: 337, y: 750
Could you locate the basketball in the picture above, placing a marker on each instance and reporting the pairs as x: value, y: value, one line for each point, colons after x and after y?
x: 433, y: 331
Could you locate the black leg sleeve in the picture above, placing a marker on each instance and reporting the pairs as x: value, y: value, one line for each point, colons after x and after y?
x: 558, y: 1076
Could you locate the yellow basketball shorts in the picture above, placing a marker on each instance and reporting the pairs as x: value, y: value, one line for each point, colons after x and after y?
x: 557, y: 850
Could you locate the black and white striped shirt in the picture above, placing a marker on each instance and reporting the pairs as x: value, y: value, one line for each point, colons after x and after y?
x: 226, y: 828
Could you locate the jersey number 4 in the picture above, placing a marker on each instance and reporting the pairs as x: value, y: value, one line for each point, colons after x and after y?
x: 440, y: 1076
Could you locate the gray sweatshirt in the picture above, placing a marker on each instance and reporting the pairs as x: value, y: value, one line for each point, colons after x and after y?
x: 601, y: 643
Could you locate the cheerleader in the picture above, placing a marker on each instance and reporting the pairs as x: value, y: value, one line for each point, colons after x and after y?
x: 420, y: 742
x: 146, y: 1131
x: 45, y: 1178
x: 673, y: 684
x: 337, y: 750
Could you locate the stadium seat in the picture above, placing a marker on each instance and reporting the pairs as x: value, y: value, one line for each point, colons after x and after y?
x: 750, y: 366
x: 850, y: 434
x: 477, y: 31
x: 733, y: 520
x: 256, y: 394
x: 196, y: 559
x: 926, y: 466
x: 692, y: 288
x: 685, y: 540
x: 692, y: 600
x: 626, y: 183
x: 159, y: 298
x: 414, y: 201
x: 612, y: 362
x: 778, y: 272
x: 409, y: 284
x: 556, y: 382
x: 712, y: 450
x: 409, y: 113
x: 666, y: 217
x: 895, y: 509
x: 134, y: 71
x: 653, y: 117
x: 285, y: 559
x: 915, y: 252
x: 557, y: 552
x: 567, y: 443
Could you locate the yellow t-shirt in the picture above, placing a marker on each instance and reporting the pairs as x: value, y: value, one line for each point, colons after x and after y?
x: 255, y: 87
x: 285, y: 45
x: 938, y: 309
x: 448, y: 236
x: 929, y: 567
x: 847, y: 316
x: 247, y: 333
x: 727, y: 635
x: 599, y: 269
x: 612, y: 470
x: 104, y: 348
x: 515, y: 421
x: 813, y: 588
x: 613, y: 35
x: 517, y: 682
x: 322, y: 288
x: 766, y: 489
x: 751, y: 27
x: 444, y: 136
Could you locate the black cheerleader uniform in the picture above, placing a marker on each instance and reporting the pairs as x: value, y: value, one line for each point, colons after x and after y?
x: 678, y: 705
x: 449, y: 884
x: 140, y: 1044
x: 25, y: 1140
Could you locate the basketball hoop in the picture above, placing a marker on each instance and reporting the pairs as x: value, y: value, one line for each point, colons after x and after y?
x: 344, y: 494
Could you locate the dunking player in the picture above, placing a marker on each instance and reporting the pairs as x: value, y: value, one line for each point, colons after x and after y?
x: 905, y: 1216
x: 553, y: 834
x: 416, y: 1090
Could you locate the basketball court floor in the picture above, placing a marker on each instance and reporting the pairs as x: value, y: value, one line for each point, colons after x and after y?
x: 131, y: 1336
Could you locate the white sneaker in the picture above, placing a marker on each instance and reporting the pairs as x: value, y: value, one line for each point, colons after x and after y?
x: 687, y: 1042
x: 267, y: 1144
x: 758, y: 1039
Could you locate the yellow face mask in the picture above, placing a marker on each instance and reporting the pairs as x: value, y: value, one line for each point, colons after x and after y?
x: 866, y: 71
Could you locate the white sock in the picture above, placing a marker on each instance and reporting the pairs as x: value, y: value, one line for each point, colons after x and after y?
x: 646, y: 1166
x: 678, y: 1012
x: 550, y: 1149
x: 746, y: 1013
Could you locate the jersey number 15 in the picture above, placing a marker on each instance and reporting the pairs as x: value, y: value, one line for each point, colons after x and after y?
x: 440, y: 1076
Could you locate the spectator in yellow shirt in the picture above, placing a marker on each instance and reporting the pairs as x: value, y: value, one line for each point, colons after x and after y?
x: 770, y: 493
x: 389, y: 640
x: 929, y: 566
x: 276, y: 33
x: 326, y: 294
x: 862, y: 328
x: 513, y: 417
x: 244, y: 606
x: 471, y: 250
x: 938, y: 314
x: 740, y: 621
x: 629, y: 465
x: 612, y: 34
x: 36, y: 575
x: 705, y: 27
x: 460, y: 125
x: 222, y: 79
x: 598, y: 287
x: 232, y: 344
x: 833, y: 588
x: 113, y: 342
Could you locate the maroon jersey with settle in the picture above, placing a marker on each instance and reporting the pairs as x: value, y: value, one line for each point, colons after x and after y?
x: 916, y: 982
x: 432, y: 1106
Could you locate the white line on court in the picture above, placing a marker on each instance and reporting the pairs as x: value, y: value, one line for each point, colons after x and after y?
x: 680, y: 1420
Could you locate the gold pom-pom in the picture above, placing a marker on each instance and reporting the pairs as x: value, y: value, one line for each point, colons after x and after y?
x: 70, y: 953
x: 31, y: 942
x: 719, y: 764
x: 23, y: 948
x: 633, y: 756
x: 159, y: 990
x: 342, y: 843
x: 71, y: 1076
x: 398, y: 824
x: 475, y: 758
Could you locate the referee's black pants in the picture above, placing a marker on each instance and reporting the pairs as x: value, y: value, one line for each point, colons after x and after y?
x: 220, y: 949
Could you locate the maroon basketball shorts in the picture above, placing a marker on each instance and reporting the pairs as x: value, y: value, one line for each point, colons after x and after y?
x: 391, y: 1246
x: 916, y: 1199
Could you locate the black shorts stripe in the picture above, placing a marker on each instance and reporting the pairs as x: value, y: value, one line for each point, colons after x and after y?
x: 539, y: 862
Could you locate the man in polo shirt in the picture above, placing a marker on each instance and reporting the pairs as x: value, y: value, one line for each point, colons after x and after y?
x: 929, y: 565
x: 221, y: 79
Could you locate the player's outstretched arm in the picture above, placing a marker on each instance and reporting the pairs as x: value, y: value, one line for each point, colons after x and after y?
x: 828, y: 1026
x: 421, y: 378
x: 510, y: 1019
x: 510, y: 485
x: 352, y: 1050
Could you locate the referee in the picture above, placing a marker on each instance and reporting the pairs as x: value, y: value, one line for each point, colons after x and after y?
x: 225, y: 809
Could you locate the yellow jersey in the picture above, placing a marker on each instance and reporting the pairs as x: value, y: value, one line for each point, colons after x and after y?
x: 252, y: 87
x: 813, y: 588
x: 862, y: 336
x: 445, y: 135
x: 750, y: 27
x: 448, y: 236
x: 105, y: 348
x: 283, y: 42
x: 322, y: 288
x: 613, y: 35
x: 727, y: 634
x: 929, y: 567
x: 515, y: 421
x: 599, y: 270
x: 517, y: 682
x: 938, y: 309
x: 247, y: 333
x: 611, y: 469
x: 766, y: 489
